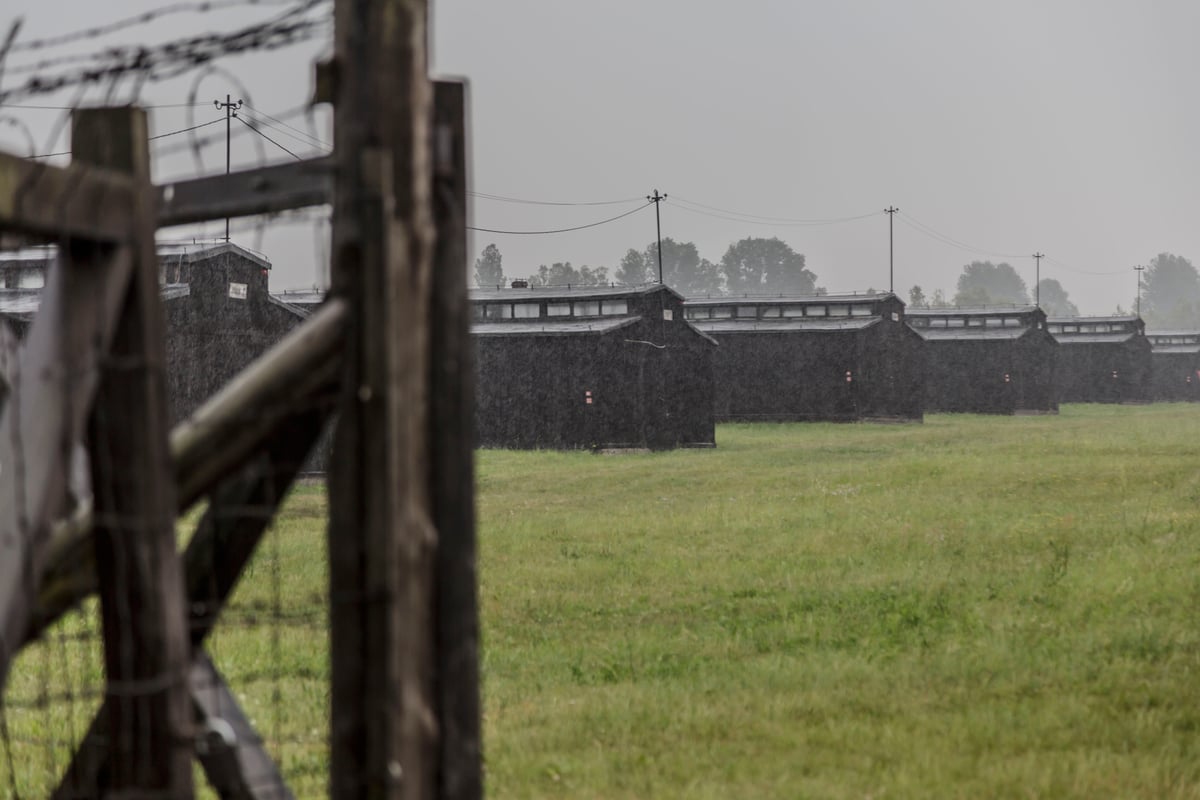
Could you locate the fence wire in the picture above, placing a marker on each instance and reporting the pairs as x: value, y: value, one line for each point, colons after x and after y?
x: 267, y: 641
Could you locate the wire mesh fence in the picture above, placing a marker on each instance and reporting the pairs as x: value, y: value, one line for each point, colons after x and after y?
x: 257, y: 603
x: 168, y: 592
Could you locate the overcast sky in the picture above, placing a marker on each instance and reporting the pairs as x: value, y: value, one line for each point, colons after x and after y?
x: 1065, y: 126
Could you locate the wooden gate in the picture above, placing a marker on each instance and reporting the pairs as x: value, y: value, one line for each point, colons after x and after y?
x: 388, y: 354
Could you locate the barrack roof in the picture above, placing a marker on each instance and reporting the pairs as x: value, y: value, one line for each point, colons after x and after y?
x: 973, y: 334
x: 794, y: 325
x: 573, y: 327
x: 785, y: 299
x: 566, y: 292
x: 978, y: 311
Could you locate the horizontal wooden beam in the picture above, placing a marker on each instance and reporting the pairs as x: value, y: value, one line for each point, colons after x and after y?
x: 297, y: 184
x: 58, y: 203
x: 219, y: 437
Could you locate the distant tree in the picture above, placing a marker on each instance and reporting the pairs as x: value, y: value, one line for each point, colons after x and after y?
x: 633, y: 270
x: 488, y: 269
x: 561, y: 273
x: 916, y: 297
x: 985, y: 283
x: 1171, y: 292
x: 683, y: 268
x: 766, y: 265
x: 1053, y: 299
x: 938, y: 300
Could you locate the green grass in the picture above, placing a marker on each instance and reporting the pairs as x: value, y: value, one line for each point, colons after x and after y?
x: 973, y: 607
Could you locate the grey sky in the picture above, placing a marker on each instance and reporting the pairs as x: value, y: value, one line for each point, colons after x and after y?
x: 1064, y: 126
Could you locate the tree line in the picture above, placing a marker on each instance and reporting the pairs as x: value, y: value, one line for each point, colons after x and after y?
x: 1170, y: 296
x: 749, y: 266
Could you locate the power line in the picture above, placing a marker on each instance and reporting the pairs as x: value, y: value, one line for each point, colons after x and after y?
x: 562, y: 230
x: 922, y: 228
x: 149, y: 138
x: 204, y: 141
x: 765, y: 219
x: 777, y: 224
x: 280, y: 122
x: 73, y: 108
x: 1069, y: 268
x: 268, y: 138
x: 506, y: 199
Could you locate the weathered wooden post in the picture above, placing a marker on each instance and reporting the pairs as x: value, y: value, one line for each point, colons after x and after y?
x: 452, y: 462
x: 142, y: 600
x: 381, y: 539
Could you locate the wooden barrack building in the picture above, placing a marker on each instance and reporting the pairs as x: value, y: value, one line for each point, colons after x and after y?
x: 839, y: 358
x: 1175, y: 365
x: 591, y: 367
x: 987, y: 360
x: 1102, y: 359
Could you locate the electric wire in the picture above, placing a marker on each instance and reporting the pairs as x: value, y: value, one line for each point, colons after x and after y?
x: 506, y: 199
x: 676, y: 199
x: 281, y: 123
x: 1069, y: 268
x: 932, y: 233
x: 149, y: 138
x: 790, y: 224
x: 204, y: 141
x: 562, y: 230
x: 268, y: 138
x: 73, y: 108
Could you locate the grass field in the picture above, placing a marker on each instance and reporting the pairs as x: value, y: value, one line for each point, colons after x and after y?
x: 973, y: 607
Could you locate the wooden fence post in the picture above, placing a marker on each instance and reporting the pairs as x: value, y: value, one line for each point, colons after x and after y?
x: 383, y: 737
x: 145, y: 631
x: 452, y: 458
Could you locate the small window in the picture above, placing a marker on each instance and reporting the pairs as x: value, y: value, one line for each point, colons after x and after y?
x: 476, y: 312
x: 1070, y: 329
x: 1087, y: 328
x: 1012, y: 322
x: 975, y: 322
x: 772, y: 312
x: 863, y: 310
x: 937, y: 322
x: 1054, y: 328
x: 747, y: 312
x: 895, y: 316
x: 700, y: 312
x: 956, y: 322
x: 614, y: 307
x: 799, y: 311
x: 558, y: 309
x: 499, y: 311
x: 722, y: 312
x: 527, y: 310
x: 587, y: 308
x: 916, y: 322
x: 839, y: 311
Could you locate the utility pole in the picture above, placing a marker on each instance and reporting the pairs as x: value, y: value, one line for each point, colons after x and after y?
x: 891, y: 212
x: 231, y: 109
x: 657, y: 198
x: 1138, y: 302
x: 1037, y: 280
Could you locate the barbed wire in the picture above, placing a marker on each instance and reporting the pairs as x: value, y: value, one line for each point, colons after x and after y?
x: 174, y: 58
x: 98, y: 31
